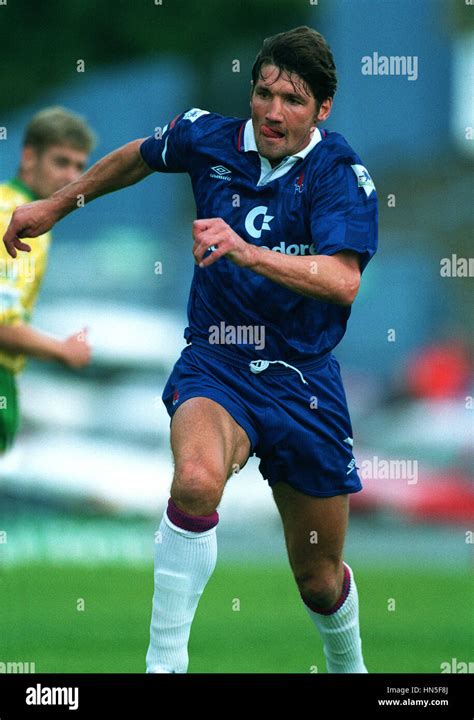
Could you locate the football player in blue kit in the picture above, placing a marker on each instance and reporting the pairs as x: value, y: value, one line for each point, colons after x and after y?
x: 286, y: 224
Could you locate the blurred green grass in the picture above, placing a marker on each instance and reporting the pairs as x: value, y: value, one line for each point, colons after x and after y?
x: 271, y: 632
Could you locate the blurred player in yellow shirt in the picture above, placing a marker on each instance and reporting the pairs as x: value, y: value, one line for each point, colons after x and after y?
x: 56, y: 147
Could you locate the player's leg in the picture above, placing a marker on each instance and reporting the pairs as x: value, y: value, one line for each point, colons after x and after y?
x: 206, y: 443
x: 315, y: 529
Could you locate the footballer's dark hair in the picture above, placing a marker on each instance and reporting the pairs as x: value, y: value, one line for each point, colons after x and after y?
x: 58, y: 126
x: 305, y: 52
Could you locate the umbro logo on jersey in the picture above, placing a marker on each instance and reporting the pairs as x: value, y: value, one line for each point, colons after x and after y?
x: 220, y: 173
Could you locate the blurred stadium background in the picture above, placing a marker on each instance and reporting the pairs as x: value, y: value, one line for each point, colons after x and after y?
x: 82, y: 492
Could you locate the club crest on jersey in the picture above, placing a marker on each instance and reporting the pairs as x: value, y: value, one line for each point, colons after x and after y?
x: 363, y: 179
x: 299, y: 184
x: 220, y: 173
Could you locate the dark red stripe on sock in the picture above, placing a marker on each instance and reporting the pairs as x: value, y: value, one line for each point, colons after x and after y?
x: 346, y: 586
x: 195, y: 523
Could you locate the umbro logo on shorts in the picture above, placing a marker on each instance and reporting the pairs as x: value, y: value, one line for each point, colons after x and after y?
x: 351, y: 466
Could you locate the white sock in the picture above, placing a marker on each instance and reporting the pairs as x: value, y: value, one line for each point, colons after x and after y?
x: 340, y: 633
x: 184, y: 562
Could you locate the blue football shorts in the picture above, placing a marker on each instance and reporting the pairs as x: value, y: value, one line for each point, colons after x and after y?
x: 296, y: 418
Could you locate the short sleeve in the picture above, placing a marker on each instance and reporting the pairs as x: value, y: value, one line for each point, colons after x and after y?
x: 169, y: 150
x: 344, y: 212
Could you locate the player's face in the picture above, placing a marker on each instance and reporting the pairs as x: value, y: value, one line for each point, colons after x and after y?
x: 52, y: 169
x: 284, y: 113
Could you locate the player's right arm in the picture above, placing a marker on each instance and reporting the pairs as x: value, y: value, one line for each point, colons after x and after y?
x: 121, y: 168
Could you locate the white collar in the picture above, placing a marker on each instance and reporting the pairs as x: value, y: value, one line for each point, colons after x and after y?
x: 250, y: 144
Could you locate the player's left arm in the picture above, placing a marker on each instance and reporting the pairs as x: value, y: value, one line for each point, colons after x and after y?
x: 343, y: 220
x: 332, y: 278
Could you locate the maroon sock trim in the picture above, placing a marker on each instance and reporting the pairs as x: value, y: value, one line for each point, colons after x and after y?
x: 195, y: 523
x: 346, y: 586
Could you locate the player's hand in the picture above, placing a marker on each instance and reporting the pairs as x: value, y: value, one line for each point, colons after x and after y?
x: 29, y: 221
x: 75, y: 350
x: 215, y: 232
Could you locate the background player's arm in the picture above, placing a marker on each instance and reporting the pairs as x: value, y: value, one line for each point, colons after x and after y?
x: 74, y: 351
x: 119, y: 169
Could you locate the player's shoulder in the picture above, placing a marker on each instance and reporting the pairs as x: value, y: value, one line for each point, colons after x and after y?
x: 337, y: 161
x: 204, y: 122
x: 334, y: 149
x: 11, y: 197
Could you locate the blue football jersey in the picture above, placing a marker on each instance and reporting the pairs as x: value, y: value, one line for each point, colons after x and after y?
x: 319, y: 201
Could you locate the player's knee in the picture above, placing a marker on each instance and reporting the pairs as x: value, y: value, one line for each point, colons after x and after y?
x: 320, y: 589
x: 197, y: 486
